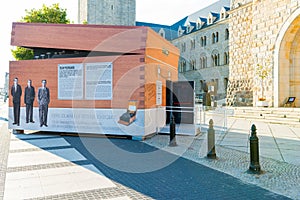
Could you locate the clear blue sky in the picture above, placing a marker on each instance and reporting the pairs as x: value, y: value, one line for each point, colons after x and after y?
x: 154, y: 11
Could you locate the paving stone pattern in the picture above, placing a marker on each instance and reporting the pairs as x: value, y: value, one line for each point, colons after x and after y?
x: 280, y: 177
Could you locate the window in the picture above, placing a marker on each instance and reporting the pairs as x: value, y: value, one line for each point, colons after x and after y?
x: 226, y: 58
x: 180, y: 31
x: 224, y: 12
x: 192, y: 64
x: 226, y: 34
x: 162, y: 32
x: 203, y: 61
x: 182, y: 67
x: 215, y: 37
x: 210, y: 18
x: 215, y: 58
x: 225, y: 83
x: 183, y: 47
x: 193, y: 44
x: 188, y: 29
x: 203, y: 41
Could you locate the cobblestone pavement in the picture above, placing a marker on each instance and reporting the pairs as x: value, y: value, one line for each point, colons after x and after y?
x: 4, y: 146
x: 279, y: 177
x: 137, y: 170
x: 41, y: 166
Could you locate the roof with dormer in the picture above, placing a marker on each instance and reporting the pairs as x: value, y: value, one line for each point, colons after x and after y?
x: 171, y: 32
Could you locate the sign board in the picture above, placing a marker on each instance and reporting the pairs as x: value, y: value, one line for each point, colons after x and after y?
x: 98, y: 81
x: 70, y: 81
x: 158, y: 93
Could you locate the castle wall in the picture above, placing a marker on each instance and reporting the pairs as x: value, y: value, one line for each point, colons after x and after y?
x: 254, y: 27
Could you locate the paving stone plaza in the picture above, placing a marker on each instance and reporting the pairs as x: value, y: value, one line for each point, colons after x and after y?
x: 52, y: 166
x: 254, y: 35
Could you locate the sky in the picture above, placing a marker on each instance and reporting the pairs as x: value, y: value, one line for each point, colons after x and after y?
x: 165, y: 12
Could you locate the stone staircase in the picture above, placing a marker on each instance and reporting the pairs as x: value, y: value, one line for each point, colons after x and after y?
x: 288, y: 116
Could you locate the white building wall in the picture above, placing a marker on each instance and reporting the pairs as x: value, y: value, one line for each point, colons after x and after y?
x: 218, y: 73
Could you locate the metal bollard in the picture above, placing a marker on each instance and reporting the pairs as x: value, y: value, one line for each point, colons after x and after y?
x: 172, y: 132
x: 211, y: 141
x: 254, y: 153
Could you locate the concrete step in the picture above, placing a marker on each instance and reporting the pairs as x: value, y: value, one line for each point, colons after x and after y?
x: 280, y: 112
x: 288, y: 116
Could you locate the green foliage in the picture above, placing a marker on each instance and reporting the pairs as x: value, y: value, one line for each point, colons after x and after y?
x: 21, y: 53
x: 53, y: 14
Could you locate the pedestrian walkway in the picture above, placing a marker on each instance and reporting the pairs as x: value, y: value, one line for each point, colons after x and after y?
x: 279, y: 147
x: 4, y: 144
x: 50, y: 166
x: 44, y: 166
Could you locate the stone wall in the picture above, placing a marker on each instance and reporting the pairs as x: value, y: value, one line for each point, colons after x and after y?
x: 240, y: 55
x: 108, y: 12
x: 254, y: 27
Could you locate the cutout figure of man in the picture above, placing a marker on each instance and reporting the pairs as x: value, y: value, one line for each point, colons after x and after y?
x: 43, y: 100
x: 28, y: 100
x: 16, y: 93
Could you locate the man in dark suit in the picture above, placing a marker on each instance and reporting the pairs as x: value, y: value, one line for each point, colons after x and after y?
x: 28, y: 100
x: 16, y: 93
x: 44, y: 100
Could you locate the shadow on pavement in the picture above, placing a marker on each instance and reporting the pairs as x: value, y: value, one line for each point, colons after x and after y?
x: 3, y: 119
x: 157, y: 173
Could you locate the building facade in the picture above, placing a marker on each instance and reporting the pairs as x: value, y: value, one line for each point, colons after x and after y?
x: 107, y: 12
x: 247, y: 49
x: 202, y: 38
x: 204, y: 49
x: 203, y: 41
x: 264, y: 33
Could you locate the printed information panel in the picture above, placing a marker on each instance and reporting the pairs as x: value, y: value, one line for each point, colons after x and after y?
x: 158, y: 92
x: 70, y: 81
x: 98, y: 81
x: 97, y: 121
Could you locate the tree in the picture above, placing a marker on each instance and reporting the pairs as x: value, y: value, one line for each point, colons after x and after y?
x: 53, y: 14
x: 21, y: 53
x: 263, y: 72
